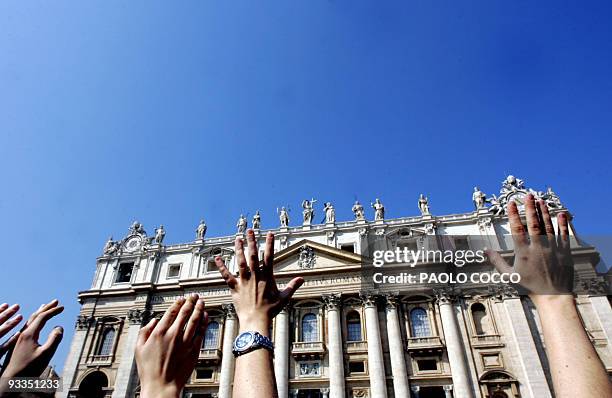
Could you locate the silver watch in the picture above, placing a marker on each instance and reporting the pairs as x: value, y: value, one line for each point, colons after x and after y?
x: 249, y: 341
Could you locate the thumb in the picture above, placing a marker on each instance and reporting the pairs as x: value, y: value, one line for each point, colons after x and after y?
x: 293, y: 285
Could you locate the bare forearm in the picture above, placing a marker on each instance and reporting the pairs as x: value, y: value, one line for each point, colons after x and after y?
x: 575, y: 366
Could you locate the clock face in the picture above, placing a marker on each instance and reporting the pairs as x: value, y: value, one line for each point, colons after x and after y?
x: 244, y: 340
x: 133, y: 243
x: 519, y: 199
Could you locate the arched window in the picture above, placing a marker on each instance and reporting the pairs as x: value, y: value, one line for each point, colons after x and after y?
x: 353, y: 326
x: 478, y: 314
x: 310, y: 328
x: 211, y: 337
x: 93, y: 385
x: 419, y: 323
x: 106, y: 342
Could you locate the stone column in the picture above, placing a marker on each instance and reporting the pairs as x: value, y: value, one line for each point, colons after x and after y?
x: 324, y: 392
x: 127, y: 367
x: 336, y: 354
x: 454, y: 345
x: 448, y: 391
x: 534, y: 384
x: 416, y: 391
x: 76, y: 351
x: 227, y: 359
x: 396, y: 349
x: 281, y: 352
x: 376, y: 365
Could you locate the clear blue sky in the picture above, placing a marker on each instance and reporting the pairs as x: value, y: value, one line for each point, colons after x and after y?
x: 166, y: 113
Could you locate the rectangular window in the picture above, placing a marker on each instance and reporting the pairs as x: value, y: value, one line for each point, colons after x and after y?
x: 427, y: 364
x: 211, y: 266
x: 204, y: 374
x: 124, y: 272
x: 348, y: 247
x: 353, y: 331
x: 174, y: 271
x: 357, y: 367
x: 461, y: 243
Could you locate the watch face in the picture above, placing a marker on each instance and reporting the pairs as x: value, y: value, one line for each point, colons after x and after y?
x: 244, y: 340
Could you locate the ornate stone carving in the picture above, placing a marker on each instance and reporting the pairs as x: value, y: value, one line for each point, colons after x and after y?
x: 513, y: 189
x: 283, y: 216
x: 368, y: 299
x: 160, y: 234
x: 479, y: 198
x: 330, y: 213
x: 380, y: 232
x: 229, y: 310
x: 136, y: 239
x: 308, y: 210
x: 136, y: 316
x: 445, y: 295
x: 360, y: 392
x: 333, y: 301
x: 201, y: 230
x: 307, y: 258
x: 430, y: 229
x: 362, y: 231
x: 379, y: 210
x: 484, y: 223
x: 257, y: 220
x: 391, y: 301
x: 423, y: 204
x: 330, y: 235
x: 241, y: 224
x: 358, y: 211
x: 83, y: 322
x: 502, y: 292
x: 310, y: 368
x: 595, y: 286
x: 110, y: 247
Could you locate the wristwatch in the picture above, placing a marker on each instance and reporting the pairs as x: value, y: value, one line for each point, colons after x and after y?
x: 249, y: 341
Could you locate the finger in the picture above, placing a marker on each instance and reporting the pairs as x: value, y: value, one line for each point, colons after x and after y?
x: 547, y: 221
x: 293, y: 285
x: 145, y: 332
x: 227, y: 276
x: 533, y: 222
x: 183, y: 316
x: 3, y: 306
x: 563, y: 223
x: 498, y: 262
x: 8, y: 312
x: 269, y: 254
x: 253, y: 255
x: 194, y: 322
x: 4, y: 329
x: 7, y: 345
x: 199, y: 335
x: 43, y: 307
x: 516, y: 226
x: 50, y: 346
x: 41, y: 319
x: 169, y: 316
x: 240, y: 259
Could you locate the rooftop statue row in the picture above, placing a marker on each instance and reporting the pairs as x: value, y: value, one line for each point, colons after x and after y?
x: 513, y: 189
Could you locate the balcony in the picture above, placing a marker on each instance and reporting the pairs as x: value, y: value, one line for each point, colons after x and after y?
x: 210, y: 355
x: 98, y: 360
x: 313, y: 349
x: 356, y: 347
x: 424, y: 343
x: 486, y: 340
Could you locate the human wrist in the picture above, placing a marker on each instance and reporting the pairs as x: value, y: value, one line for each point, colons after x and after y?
x: 160, y: 391
x: 553, y: 302
x: 258, y: 324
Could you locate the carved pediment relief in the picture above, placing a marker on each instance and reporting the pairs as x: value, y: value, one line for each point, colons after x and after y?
x: 307, y: 255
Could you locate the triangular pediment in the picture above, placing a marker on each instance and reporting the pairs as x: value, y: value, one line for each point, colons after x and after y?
x: 307, y: 255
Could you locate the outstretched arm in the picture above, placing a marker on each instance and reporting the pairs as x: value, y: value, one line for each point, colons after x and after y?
x: 257, y: 301
x: 544, y: 261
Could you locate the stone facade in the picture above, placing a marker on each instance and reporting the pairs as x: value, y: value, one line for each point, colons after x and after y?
x: 336, y: 339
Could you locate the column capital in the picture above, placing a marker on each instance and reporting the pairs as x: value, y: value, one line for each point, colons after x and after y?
x: 83, y: 322
x: 502, y: 292
x: 368, y: 299
x: 287, y: 308
x: 391, y: 301
x: 595, y: 287
x: 229, y: 310
x: 136, y: 316
x: 445, y: 295
x: 333, y: 301
x: 448, y: 387
x: 415, y: 389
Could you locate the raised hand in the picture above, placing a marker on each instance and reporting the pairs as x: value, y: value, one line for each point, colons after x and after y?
x: 541, y: 257
x: 6, y: 325
x: 254, y: 293
x: 167, y: 350
x: 28, y: 358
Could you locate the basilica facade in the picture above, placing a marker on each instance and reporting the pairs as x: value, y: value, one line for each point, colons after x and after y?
x: 338, y: 337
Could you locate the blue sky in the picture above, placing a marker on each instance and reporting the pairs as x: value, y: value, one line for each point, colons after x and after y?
x: 167, y: 113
